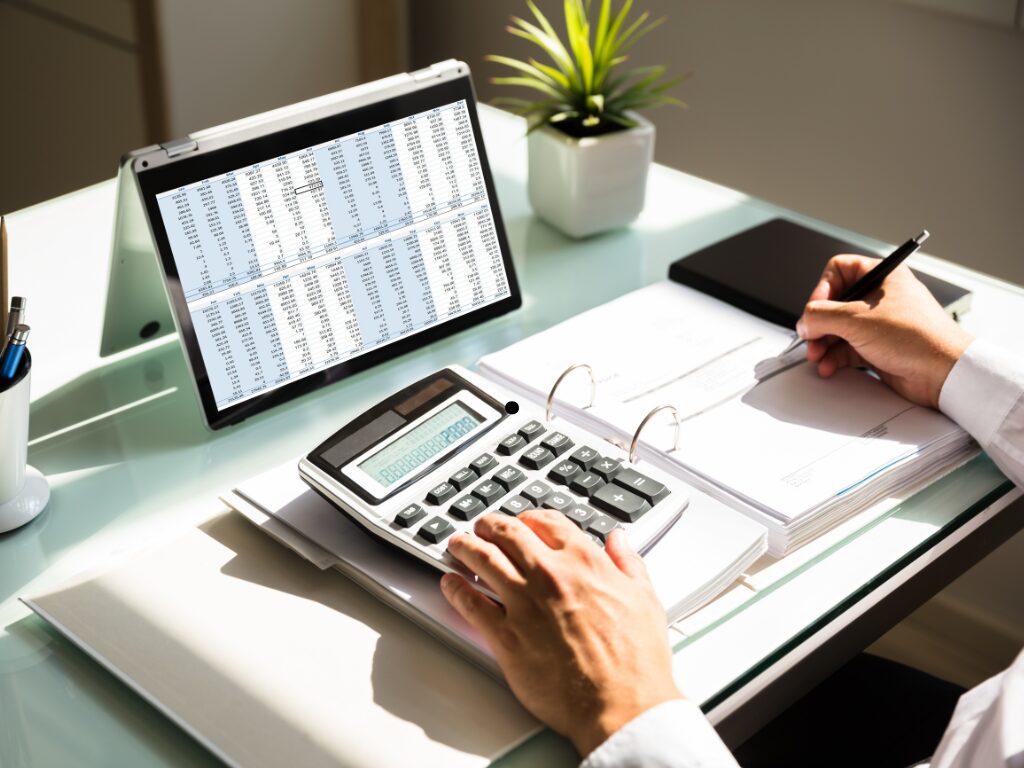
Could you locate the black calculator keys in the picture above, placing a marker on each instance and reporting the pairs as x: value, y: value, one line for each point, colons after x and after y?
x: 606, y: 468
x: 483, y: 463
x: 509, y: 477
x: 489, y: 491
x: 409, y: 516
x: 558, y: 501
x: 585, y: 483
x: 601, y: 526
x: 511, y: 444
x: 563, y: 471
x: 586, y: 457
x: 463, y: 478
x: 516, y: 505
x: 537, y: 457
x: 439, y: 494
x: 641, y: 485
x: 466, y: 508
x: 435, y: 530
x: 531, y: 430
x: 557, y: 443
x: 580, y: 514
x: 594, y: 539
x: 624, y: 504
x: 536, y: 492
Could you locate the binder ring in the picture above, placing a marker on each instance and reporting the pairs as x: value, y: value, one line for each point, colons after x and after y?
x: 551, y: 395
x: 635, y: 445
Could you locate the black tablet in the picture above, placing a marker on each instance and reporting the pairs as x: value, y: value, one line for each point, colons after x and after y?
x: 304, y: 245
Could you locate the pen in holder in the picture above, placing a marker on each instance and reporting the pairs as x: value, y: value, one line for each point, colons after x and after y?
x: 23, y: 489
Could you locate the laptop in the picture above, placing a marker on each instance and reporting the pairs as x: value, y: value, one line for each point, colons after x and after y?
x: 301, y: 246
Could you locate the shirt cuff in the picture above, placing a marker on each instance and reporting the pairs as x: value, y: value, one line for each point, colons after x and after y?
x: 673, y: 734
x: 980, y: 390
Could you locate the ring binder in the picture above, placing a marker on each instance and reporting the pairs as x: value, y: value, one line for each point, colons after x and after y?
x: 558, y: 382
x: 635, y: 445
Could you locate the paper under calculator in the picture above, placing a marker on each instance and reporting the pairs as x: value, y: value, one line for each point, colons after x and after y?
x: 424, y: 463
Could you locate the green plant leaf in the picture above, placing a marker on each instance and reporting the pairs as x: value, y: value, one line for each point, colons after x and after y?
x: 629, y: 40
x: 528, y: 82
x: 578, y: 31
x: 555, y: 74
x: 547, y: 39
x: 522, y: 66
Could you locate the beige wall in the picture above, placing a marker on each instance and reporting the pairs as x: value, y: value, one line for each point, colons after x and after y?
x: 70, y: 97
x: 231, y: 58
x: 880, y: 116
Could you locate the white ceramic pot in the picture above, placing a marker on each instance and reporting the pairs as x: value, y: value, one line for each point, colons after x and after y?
x: 590, y: 185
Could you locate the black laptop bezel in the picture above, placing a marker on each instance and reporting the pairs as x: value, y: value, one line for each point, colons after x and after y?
x: 204, y: 165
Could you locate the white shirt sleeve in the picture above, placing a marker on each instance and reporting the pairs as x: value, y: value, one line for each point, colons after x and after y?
x: 671, y: 735
x: 984, y: 394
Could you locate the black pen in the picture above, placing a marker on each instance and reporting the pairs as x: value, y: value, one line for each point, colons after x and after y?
x: 873, y: 279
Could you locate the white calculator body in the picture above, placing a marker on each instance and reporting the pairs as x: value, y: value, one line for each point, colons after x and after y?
x: 423, y: 464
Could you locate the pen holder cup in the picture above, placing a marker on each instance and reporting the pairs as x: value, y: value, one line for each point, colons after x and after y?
x: 23, y: 489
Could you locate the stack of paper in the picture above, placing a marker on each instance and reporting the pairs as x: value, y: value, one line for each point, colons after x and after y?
x: 795, y: 452
x: 705, y: 551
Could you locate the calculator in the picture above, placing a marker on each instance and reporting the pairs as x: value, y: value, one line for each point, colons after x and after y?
x: 427, y: 461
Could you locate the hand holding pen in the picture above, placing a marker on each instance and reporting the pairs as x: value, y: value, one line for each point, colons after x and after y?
x: 905, y: 336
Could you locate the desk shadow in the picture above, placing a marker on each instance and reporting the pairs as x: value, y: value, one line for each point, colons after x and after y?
x: 801, y: 397
x: 434, y: 702
x: 58, y: 703
x: 148, y: 392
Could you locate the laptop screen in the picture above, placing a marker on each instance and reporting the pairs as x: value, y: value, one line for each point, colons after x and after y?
x: 297, y: 263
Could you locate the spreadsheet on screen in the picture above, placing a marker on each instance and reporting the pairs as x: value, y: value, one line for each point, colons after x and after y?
x: 297, y: 263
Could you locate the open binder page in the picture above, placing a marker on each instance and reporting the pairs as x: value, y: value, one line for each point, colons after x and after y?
x: 796, y: 451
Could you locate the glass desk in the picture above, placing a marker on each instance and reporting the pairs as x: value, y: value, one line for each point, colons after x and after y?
x: 129, y: 461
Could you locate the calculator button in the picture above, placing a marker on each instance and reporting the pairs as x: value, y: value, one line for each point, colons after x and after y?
x: 579, y: 514
x: 435, y: 530
x: 536, y: 492
x: 536, y: 457
x: 409, y: 516
x: 557, y: 443
x: 463, y: 478
x: 531, y: 430
x: 585, y: 456
x: 601, y: 526
x: 641, y: 485
x: 558, y: 501
x: 511, y: 444
x: 563, y: 472
x: 466, y: 508
x: 585, y: 483
x: 620, y: 502
x: 483, y: 463
x: 594, y: 539
x: 488, y: 492
x: 509, y: 477
x: 515, y: 506
x: 607, y: 468
x: 441, y: 493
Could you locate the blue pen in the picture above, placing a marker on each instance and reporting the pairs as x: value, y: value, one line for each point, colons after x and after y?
x: 13, y: 354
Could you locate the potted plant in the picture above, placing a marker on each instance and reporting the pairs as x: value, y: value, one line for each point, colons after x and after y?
x: 589, y: 151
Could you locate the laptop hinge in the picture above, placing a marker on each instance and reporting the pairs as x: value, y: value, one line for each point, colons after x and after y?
x: 180, y: 146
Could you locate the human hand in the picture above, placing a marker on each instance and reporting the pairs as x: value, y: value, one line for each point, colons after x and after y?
x: 580, y: 635
x: 900, y: 330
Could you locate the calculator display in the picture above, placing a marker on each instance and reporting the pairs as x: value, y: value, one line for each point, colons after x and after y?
x: 420, y: 444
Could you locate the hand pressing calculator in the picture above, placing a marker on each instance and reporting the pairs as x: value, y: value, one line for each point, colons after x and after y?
x: 423, y: 464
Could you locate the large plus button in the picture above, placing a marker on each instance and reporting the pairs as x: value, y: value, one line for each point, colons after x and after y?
x: 620, y: 502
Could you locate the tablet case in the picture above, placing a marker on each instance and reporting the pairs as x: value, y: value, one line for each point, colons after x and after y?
x: 770, y: 270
